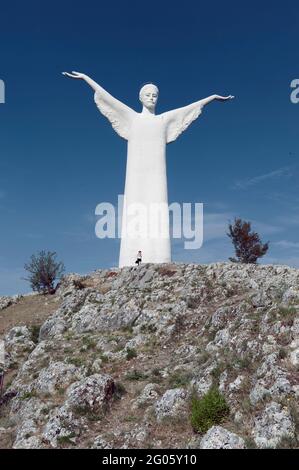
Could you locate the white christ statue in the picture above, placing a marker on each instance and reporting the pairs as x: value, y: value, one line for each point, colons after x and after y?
x: 145, y: 214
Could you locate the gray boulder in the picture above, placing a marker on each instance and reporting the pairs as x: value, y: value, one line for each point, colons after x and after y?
x: 272, y: 425
x: 220, y: 438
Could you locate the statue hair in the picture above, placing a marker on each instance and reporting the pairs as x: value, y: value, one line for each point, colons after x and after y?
x: 145, y: 85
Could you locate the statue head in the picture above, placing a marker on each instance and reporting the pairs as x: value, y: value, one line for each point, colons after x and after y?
x: 148, y: 95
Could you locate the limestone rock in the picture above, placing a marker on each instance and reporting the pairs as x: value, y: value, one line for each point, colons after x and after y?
x: 62, y: 427
x: 101, y: 443
x: 56, y: 377
x: 218, y: 437
x: 171, y: 404
x: 92, y: 393
x: 272, y: 425
x: 149, y: 395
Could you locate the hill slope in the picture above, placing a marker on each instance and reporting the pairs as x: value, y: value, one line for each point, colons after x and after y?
x: 117, y: 364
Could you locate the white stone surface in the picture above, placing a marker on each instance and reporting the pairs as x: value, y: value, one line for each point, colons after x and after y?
x: 218, y: 437
x: 146, y: 183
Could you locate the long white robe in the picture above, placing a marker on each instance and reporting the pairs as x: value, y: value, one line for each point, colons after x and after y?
x: 146, y: 180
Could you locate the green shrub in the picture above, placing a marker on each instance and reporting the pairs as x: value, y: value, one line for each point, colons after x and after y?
x: 250, y: 443
x: 130, y: 419
x: 242, y: 362
x: 282, y: 353
x: 88, y: 342
x: 119, y: 390
x: 128, y: 329
x: 287, y: 312
x: 76, y: 361
x: 208, y: 411
x: 179, y: 379
x: 287, y: 442
x: 156, y: 375
x: 27, y: 395
x: 131, y: 353
x: 89, y: 414
x: 148, y: 328
x: 104, y: 358
x: 67, y: 439
x: 35, y: 333
x: 217, y: 371
x: 135, y: 375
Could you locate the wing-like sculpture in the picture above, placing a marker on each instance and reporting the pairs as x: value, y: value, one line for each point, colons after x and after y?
x: 179, y: 119
x: 119, y: 114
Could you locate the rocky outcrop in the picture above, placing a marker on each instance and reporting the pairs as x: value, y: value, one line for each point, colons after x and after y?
x: 18, y: 344
x: 6, y: 301
x: 118, y: 363
x: 220, y: 438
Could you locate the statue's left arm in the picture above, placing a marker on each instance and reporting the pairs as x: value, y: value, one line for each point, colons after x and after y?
x: 178, y: 120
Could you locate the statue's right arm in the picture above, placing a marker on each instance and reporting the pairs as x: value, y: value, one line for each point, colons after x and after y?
x: 119, y: 114
x: 94, y: 85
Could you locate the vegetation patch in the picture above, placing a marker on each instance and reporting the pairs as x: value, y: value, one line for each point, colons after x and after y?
x: 242, y: 362
x: 156, y: 375
x: 78, y: 284
x: 118, y: 348
x: 148, y: 328
x: 111, y: 274
x: 104, y: 358
x: 88, y: 342
x: 67, y: 439
x: 128, y: 329
x: 119, y: 390
x: 208, y: 411
x: 250, y: 443
x: 164, y: 271
x: 76, y: 361
x: 91, y: 415
x: 27, y: 395
x: 136, y: 375
x: 282, y: 354
x: 60, y: 391
x: 179, y: 379
x: 287, y: 442
x: 130, y: 419
x: 217, y: 371
x: 44, y: 269
x: 131, y: 353
x: 287, y: 312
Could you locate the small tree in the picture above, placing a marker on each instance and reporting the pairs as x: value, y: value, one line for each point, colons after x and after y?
x: 248, y: 245
x: 44, y: 270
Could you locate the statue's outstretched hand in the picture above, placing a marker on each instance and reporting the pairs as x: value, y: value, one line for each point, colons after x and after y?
x: 223, y: 98
x: 74, y: 74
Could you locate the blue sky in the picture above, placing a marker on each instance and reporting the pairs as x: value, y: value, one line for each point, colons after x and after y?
x: 59, y: 157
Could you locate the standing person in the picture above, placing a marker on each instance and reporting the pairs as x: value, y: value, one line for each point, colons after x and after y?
x: 139, y: 258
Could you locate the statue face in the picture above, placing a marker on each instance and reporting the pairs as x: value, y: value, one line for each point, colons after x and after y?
x: 149, y: 96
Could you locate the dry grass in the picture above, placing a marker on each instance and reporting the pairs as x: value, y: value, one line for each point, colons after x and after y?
x: 30, y: 311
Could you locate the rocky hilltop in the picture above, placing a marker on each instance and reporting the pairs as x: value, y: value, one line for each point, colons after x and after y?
x: 131, y: 358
